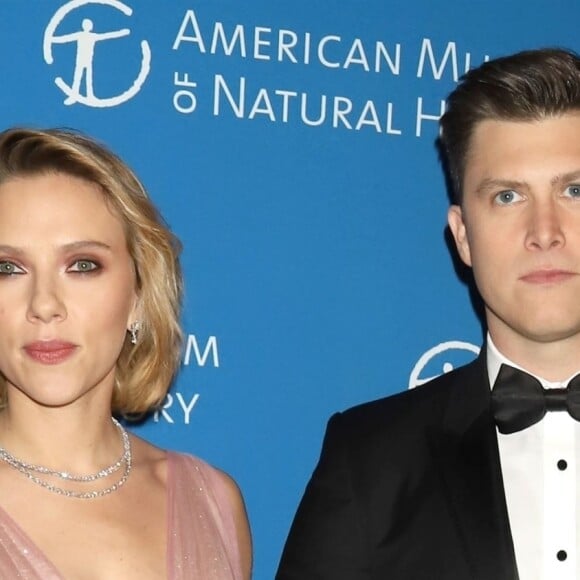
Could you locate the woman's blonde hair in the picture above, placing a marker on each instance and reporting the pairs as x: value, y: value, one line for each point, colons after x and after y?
x: 145, y: 369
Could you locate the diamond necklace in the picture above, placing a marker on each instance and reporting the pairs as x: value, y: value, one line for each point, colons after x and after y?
x: 29, y: 470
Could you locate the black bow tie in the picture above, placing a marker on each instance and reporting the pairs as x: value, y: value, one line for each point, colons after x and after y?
x: 518, y: 400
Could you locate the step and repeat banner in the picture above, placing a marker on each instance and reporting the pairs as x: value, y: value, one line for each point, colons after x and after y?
x: 290, y: 145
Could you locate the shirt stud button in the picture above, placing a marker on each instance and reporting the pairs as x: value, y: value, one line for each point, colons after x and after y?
x: 562, y: 464
x: 561, y: 555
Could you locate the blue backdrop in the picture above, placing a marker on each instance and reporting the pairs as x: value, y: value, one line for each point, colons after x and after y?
x: 290, y: 145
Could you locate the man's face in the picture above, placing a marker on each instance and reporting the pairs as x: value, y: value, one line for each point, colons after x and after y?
x: 519, y: 227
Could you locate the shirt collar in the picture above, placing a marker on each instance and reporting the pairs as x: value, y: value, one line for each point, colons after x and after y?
x: 495, y: 359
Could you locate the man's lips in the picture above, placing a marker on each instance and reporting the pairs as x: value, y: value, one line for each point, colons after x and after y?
x: 50, y: 351
x: 547, y: 276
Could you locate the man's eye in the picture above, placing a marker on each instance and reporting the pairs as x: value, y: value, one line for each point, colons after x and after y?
x: 83, y: 266
x: 573, y: 191
x: 507, y: 197
x: 9, y: 268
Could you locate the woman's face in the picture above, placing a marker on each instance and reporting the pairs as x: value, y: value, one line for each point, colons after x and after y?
x: 67, y: 290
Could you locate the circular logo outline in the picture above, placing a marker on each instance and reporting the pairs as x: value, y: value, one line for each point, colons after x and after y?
x: 83, y: 68
x: 427, y: 356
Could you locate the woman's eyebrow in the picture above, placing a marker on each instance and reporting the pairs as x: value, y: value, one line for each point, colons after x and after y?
x: 69, y: 247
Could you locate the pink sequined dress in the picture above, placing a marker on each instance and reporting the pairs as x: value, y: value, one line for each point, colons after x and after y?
x: 201, y: 540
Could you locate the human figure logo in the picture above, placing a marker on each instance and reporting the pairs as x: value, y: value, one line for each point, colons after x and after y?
x: 86, y: 40
x: 441, y: 352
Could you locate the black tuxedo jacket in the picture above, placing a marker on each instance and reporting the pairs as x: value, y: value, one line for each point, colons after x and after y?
x: 407, y: 488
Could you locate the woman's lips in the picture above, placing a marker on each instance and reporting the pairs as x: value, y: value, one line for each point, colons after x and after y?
x: 50, y: 352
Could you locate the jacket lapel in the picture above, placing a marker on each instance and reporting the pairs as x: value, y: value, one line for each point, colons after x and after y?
x: 467, y: 452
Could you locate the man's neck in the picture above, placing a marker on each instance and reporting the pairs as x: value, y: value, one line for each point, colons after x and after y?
x: 554, y: 361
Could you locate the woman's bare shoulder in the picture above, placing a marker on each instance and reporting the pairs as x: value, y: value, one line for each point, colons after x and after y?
x: 240, y: 518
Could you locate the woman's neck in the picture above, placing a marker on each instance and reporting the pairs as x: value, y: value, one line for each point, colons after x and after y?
x: 68, y: 439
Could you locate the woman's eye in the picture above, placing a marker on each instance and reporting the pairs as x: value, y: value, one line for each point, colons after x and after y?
x: 573, y: 191
x: 507, y: 197
x: 9, y: 268
x: 83, y: 266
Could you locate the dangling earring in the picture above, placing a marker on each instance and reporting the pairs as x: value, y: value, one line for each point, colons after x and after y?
x: 134, y: 331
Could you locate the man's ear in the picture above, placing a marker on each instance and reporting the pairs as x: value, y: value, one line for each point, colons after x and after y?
x: 457, y: 227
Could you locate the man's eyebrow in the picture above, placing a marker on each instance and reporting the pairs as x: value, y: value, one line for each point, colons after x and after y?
x: 489, y: 183
x: 566, y: 177
x: 492, y: 183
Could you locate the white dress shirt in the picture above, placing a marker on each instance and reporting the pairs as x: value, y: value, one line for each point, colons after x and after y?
x: 539, y: 467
